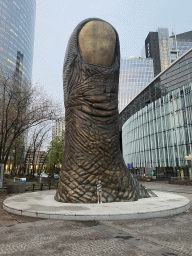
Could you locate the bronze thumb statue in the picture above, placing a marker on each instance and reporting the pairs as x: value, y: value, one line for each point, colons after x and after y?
x: 90, y: 80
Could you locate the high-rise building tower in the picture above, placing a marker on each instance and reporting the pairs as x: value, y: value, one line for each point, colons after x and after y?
x: 17, y: 27
x: 135, y: 73
x: 58, y: 127
x: 152, y: 50
x: 164, y: 49
x: 180, y: 44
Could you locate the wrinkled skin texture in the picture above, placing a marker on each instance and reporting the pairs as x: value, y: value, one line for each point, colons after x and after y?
x: 92, y: 131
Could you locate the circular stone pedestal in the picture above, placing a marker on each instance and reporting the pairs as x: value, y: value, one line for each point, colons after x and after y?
x: 42, y: 204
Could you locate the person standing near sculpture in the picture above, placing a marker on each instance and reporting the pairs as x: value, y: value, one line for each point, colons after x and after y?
x: 99, y: 191
x: 90, y: 81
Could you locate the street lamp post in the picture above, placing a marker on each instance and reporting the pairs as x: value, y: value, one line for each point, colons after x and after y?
x: 1, y: 175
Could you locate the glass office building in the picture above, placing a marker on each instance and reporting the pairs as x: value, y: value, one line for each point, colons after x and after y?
x: 157, y: 123
x: 17, y: 27
x: 183, y: 46
x: 180, y: 44
x: 135, y: 73
x: 152, y: 51
x: 157, y: 47
x: 160, y: 135
x: 164, y: 49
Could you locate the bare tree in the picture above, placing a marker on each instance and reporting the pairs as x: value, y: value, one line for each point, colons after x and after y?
x: 22, y: 107
x: 16, y: 156
x: 37, y: 138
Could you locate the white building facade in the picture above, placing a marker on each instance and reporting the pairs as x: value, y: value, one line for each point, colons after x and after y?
x: 58, y: 127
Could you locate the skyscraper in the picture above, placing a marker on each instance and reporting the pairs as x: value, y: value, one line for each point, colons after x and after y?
x: 179, y: 44
x: 152, y: 50
x: 17, y: 27
x: 58, y: 127
x: 164, y: 49
x: 135, y: 73
x: 157, y: 123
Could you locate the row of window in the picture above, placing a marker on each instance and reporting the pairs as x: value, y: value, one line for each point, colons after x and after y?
x: 135, y: 74
x: 17, y: 33
x: 163, y: 157
x: 163, y: 140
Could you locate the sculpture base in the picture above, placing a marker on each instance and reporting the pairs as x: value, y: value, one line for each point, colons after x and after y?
x: 42, y: 204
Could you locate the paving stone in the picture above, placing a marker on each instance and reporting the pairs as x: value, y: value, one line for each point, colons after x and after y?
x: 173, y: 235
x: 149, y: 247
x: 136, y: 241
x: 165, y: 252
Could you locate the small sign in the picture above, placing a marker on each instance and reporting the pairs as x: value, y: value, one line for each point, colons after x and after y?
x: 152, y: 172
x: 129, y: 165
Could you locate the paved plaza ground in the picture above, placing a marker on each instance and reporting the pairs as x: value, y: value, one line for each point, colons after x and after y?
x: 171, y: 235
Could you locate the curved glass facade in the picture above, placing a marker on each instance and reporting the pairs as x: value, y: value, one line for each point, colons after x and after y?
x: 160, y: 134
x: 178, y: 74
x: 135, y: 74
x: 17, y: 27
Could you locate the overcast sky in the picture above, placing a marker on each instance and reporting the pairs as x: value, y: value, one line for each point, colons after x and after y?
x: 133, y: 19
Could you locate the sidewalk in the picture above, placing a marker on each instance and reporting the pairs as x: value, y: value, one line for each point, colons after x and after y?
x: 9, y: 219
x: 170, y: 235
x: 172, y: 188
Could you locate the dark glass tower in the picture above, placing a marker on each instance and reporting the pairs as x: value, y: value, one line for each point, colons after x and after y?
x: 152, y: 51
x: 17, y: 27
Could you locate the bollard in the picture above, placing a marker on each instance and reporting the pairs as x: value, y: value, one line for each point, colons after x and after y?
x: 33, y: 187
